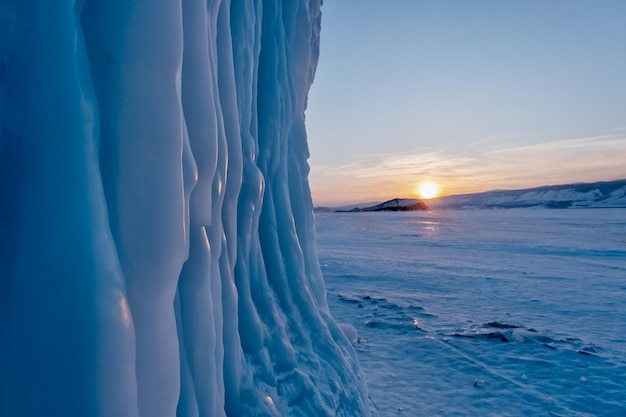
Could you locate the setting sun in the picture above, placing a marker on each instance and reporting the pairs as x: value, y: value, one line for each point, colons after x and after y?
x: 428, y: 189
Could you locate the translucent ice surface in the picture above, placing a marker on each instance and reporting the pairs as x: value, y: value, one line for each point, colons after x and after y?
x: 157, y: 255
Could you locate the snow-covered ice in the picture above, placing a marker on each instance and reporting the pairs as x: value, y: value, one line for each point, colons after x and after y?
x: 157, y: 255
x: 483, y: 312
x: 604, y: 194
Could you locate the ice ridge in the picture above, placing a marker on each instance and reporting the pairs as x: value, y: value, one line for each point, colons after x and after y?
x: 157, y: 252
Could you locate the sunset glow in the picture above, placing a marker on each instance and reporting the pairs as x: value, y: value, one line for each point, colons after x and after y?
x: 512, y: 114
x: 428, y: 189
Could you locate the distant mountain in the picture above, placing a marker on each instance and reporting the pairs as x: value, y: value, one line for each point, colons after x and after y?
x: 397, y: 204
x: 609, y: 194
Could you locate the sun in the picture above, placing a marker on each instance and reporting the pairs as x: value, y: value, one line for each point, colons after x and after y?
x: 428, y: 189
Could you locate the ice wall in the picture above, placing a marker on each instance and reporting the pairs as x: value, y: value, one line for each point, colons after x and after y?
x: 157, y: 252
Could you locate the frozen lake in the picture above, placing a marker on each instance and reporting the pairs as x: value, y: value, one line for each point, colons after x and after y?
x: 483, y: 312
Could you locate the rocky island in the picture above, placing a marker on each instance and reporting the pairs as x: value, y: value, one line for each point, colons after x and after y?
x: 396, y: 204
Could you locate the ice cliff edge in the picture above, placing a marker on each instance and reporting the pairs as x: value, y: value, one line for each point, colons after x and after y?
x: 157, y: 255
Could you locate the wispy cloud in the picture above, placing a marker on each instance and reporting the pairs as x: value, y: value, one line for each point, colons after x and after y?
x: 368, y: 177
x: 415, y: 162
x: 587, y: 158
x: 583, y: 147
x: 382, y: 176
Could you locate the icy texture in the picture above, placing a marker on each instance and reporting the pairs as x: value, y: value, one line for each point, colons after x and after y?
x: 157, y: 255
x: 514, y: 313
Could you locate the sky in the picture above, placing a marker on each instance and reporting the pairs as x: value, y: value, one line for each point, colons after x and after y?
x: 473, y: 95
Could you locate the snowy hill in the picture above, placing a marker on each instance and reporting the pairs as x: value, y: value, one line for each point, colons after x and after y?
x: 610, y: 194
x: 396, y: 204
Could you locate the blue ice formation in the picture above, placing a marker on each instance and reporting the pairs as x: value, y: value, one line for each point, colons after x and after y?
x: 157, y: 253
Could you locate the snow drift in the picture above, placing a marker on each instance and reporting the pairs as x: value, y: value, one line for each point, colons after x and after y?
x: 606, y: 194
x: 157, y: 255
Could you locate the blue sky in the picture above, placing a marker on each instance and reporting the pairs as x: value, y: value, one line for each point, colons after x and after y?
x: 471, y: 94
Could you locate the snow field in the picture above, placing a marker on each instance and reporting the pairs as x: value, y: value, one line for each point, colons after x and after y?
x: 483, y: 312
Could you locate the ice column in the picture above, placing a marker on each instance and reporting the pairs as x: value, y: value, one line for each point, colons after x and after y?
x: 157, y: 251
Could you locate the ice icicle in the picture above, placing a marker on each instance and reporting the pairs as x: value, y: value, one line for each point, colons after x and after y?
x: 157, y: 252
x: 67, y: 339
